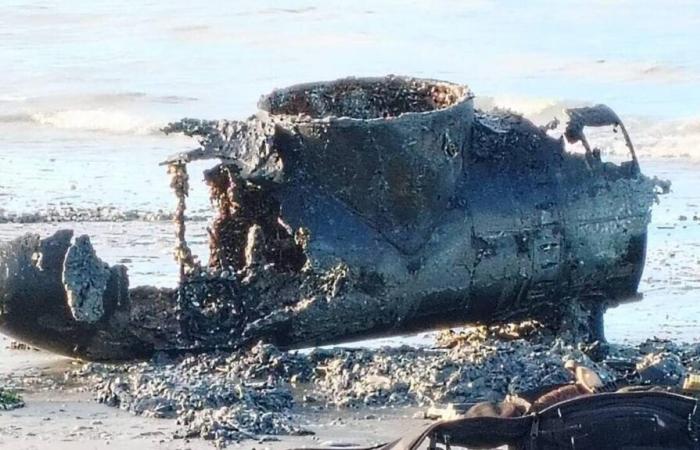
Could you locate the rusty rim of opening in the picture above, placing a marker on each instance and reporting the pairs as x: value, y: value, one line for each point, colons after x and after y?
x: 275, y: 102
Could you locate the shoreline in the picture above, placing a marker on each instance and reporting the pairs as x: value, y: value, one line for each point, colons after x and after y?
x: 75, y: 419
x: 62, y: 411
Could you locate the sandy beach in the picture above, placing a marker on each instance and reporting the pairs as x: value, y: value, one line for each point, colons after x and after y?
x: 64, y: 415
x: 87, y: 86
x: 74, y: 420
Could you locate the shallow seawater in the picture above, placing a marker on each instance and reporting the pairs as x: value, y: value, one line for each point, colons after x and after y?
x: 86, y: 85
x: 671, y: 280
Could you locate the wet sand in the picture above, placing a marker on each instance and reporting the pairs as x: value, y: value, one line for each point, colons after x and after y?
x: 65, y: 416
x: 74, y: 420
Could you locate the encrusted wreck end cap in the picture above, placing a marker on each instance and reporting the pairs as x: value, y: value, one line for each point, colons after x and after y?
x: 57, y: 295
x: 85, y: 278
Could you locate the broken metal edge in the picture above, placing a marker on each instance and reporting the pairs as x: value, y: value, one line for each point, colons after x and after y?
x: 41, y: 300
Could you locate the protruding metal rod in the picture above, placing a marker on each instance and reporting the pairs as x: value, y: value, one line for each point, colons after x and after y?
x: 596, y: 116
x: 628, y: 141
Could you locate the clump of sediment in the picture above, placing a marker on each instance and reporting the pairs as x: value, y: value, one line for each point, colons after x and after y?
x: 259, y: 393
x: 10, y: 400
x: 217, y: 397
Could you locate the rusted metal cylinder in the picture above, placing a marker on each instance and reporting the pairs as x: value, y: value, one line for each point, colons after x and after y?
x: 389, y: 148
x: 390, y: 206
x: 461, y: 217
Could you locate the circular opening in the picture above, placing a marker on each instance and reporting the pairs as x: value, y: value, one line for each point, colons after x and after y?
x: 363, y: 98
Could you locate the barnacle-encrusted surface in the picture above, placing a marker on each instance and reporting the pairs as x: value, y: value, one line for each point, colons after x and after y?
x: 354, y: 209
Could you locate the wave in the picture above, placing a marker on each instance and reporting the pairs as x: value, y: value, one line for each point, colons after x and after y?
x: 119, y: 113
x: 93, y: 120
x: 105, y: 99
x: 7, y: 98
x: 652, y: 138
x: 678, y: 138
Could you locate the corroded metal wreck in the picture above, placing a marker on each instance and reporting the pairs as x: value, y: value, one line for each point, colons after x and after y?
x: 352, y: 209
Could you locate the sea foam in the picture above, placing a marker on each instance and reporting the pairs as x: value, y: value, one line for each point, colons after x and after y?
x: 92, y: 120
x: 652, y: 138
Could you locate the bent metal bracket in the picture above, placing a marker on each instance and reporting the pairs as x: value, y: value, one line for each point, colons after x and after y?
x: 351, y: 209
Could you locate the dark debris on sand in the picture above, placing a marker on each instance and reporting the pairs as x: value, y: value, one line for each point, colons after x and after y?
x: 10, y: 400
x: 256, y: 394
